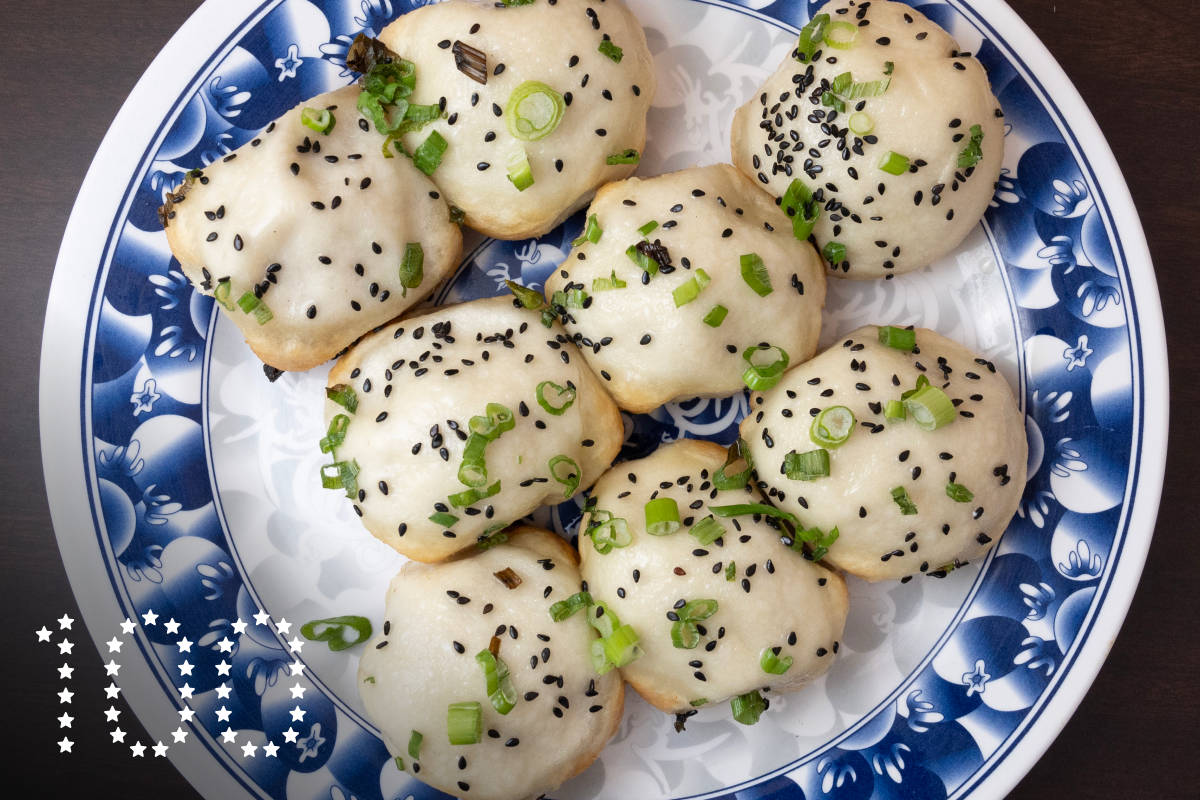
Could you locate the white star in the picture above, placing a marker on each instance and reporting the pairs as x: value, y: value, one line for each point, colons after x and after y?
x: 290, y: 735
x: 64, y: 624
x: 64, y: 672
x: 295, y: 644
x: 160, y: 749
x: 297, y: 668
x: 248, y: 750
x: 223, y: 667
x: 65, y: 696
x: 112, y: 714
x: 239, y: 627
x: 114, y: 646
x: 223, y: 714
x: 172, y: 626
x: 228, y: 735
x: 149, y: 617
x: 112, y: 667
x: 139, y: 750
x: 283, y: 626
x: 297, y: 714
x: 223, y: 691
x: 43, y: 634
x: 225, y: 645
x: 262, y: 618
x: 298, y: 691
x: 186, y: 714
x: 111, y: 691
x: 127, y: 626
x: 118, y: 735
x: 185, y: 645
x: 179, y: 734
x: 65, y: 745
x: 64, y: 647
x: 65, y: 721
x: 186, y: 691
x: 269, y: 750
x: 185, y: 668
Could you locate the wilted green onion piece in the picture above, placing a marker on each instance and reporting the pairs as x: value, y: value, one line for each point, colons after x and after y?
x: 888, y: 66
x: 738, y: 455
x: 922, y: 382
x: 530, y: 298
x: 841, y: 83
x: 906, y: 505
x: 575, y: 298
x: 611, y: 50
x: 811, y: 36
x: 840, y: 35
x: 457, y: 215
x: 745, y: 509
x: 499, y: 685
x: 689, y: 290
x: 807, y: 466
x: 731, y: 571
x: 930, y: 408
x: 254, y: 305
x: 832, y: 427
x: 321, y: 121
x: 684, y: 634
x: 959, y: 493
x: 570, y: 478
x: 699, y: 610
x: 630, y: 156
x: 412, y: 267
x: 534, y: 111
x: 797, y: 202
x: 600, y: 660
x: 414, y: 745
x: 716, y: 316
x: 643, y: 261
x: 820, y: 541
x: 861, y: 123
x: 464, y: 723
x: 894, y: 410
x: 336, y: 434
x: 971, y: 154
x: 707, y: 531
x: 333, y: 631
x: 346, y: 477
x: 443, y: 519
x: 747, y: 708
x: 472, y: 496
x: 492, y: 536
x: 608, y: 284
x: 610, y: 533
x: 518, y: 2
x: 831, y: 100
x: 473, y: 470
x: 754, y: 273
x: 697, y: 703
x: 519, y: 171
x: 622, y: 646
x: 662, y: 516
x: 564, y: 609
x: 221, y: 294
x: 557, y: 400
x: 893, y: 163
x: 344, y: 396
x: 591, y: 233
x: 428, y: 156
x: 858, y: 91
x: 898, y: 338
x: 648, y: 228
x: 499, y: 419
x: 760, y: 377
x: 834, y: 252
x: 772, y: 664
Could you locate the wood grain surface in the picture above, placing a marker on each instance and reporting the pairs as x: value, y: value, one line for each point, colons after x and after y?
x: 67, y: 68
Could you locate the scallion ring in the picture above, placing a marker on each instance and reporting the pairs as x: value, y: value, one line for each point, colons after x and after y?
x: 898, y: 338
x: 336, y: 434
x: 959, y: 493
x: 221, y: 294
x: 820, y: 541
x: 464, y: 723
x: 806, y: 466
x: 608, y: 284
x: 622, y: 646
x: 591, y: 232
x: 907, y: 507
x: 500, y: 689
x: 716, y: 316
x: 564, y: 609
x: 707, y: 531
x: 499, y: 419
x: 739, y: 458
x: 473, y: 496
x: 414, y: 745
x: 345, y: 477
x: 534, y: 111
x: 344, y: 395
x: 860, y: 123
x: 255, y: 305
x: 319, y: 120
x: 529, y: 298
x: 557, y: 401
x: 840, y: 35
x: 519, y: 171
x: 834, y: 252
x: 930, y: 408
x: 811, y: 36
x: 798, y: 203
x: 747, y: 708
x: 690, y: 289
x: 662, y: 516
x: 894, y: 410
x: 609, y: 534
x: 443, y: 520
x: 772, y: 664
x: 629, y: 156
x: 893, y: 163
x: 754, y: 273
x: 611, y: 50
x: 332, y: 631
x: 832, y: 428
x: 760, y: 377
x: 428, y: 156
x: 567, y: 472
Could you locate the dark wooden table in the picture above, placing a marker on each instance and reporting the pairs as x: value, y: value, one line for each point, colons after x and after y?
x: 67, y: 69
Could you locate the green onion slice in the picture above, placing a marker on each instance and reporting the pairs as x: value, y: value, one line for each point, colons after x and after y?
x: 333, y: 631
x: 716, y: 316
x: 643, y: 260
x: 464, y: 723
x: 806, y: 466
x: 832, y: 100
x: 971, y: 154
x: 611, y: 50
x: 472, y: 496
x: 529, y: 298
x: 738, y: 456
x: 754, y: 273
x: 959, y: 493
x: 473, y: 470
x: 565, y: 609
x: 519, y: 171
x: 492, y: 536
x: 569, y: 476
x: 629, y: 156
x: 832, y: 427
x: 731, y: 571
x: 336, y: 434
x: 745, y: 509
x: 922, y: 382
x: 412, y: 267
x: 858, y: 91
x: 840, y: 35
x: 898, y: 338
x: 888, y: 66
x: 662, y: 516
x: 648, y: 228
x: 608, y: 284
x: 820, y: 541
x: 591, y: 233
x: 798, y: 204
x: 900, y: 495
x: 699, y: 610
x: 930, y: 408
x: 707, y: 531
x: 861, y: 123
x: 457, y: 215
x: 611, y: 533
x: 760, y: 377
x: 841, y: 83
x: 689, y: 290
x: 772, y: 664
x: 345, y: 477
x: 499, y: 419
x: 600, y: 660
x: 254, y: 305
x: 499, y: 685
x: 698, y: 702
x: 344, y: 395
x: 894, y: 410
x: 747, y: 708
x: 622, y: 646
x: 534, y: 111
x: 834, y: 252
x: 558, y: 400
x: 319, y: 120
x: 893, y: 163
x: 684, y: 635
x: 414, y: 745
x: 811, y: 36
x: 428, y: 156
x: 221, y: 294
x: 603, y: 619
x: 443, y: 519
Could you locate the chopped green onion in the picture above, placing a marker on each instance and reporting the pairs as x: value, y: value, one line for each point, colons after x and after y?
x: 443, y: 519
x: 832, y: 427
x: 894, y: 410
x: 699, y: 610
x: 840, y: 35
x: 807, y: 466
x: 811, y: 36
x: 898, y: 338
x: 888, y: 66
x: 841, y: 83
x: 608, y: 284
x: 747, y: 708
x: 622, y: 646
x: 868, y: 89
x: 820, y: 541
x: 534, y: 111
x: 519, y: 171
x: 772, y: 664
x: 611, y: 533
x: 648, y: 228
x: 464, y: 723
x: 906, y: 505
x: 414, y: 745
x: 833, y: 101
x: 412, y: 267
x: 707, y: 531
x: 428, y: 156
x: 321, y: 121
x: 922, y: 382
x: 893, y: 163
x: 684, y: 635
x: 346, y: 477
x: 548, y: 317
x: 745, y: 509
x: 499, y: 685
x: 472, y: 496
x: 572, y: 299
x: 499, y: 419
x: 629, y: 156
x: 473, y: 470
x: 399, y: 762
x: 603, y: 619
x: 716, y: 316
x: 930, y: 408
x: 344, y: 396
x: 643, y: 260
x: 333, y: 628
x: 754, y: 273
x: 457, y: 215
x: 558, y: 402
x: 699, y: 702
x: 591, y: 233
x: 600, y: 660
x: 798, y: 204
x: 518, y: 2
x: 564, y: 609
x: 971, y: 154
x: 760, y: 377
x: 689, y: 290
x: 491, y: 537
x: 731, y: 571
x: 662, y: 516
x: 571, y: 479
x: 530, y: 298
x: 336, y: 434
x: 611, y: 50
x: 834, y: 252
x: 737, y: 455
x: 959, y: 493
x: 861, y: 123
x: 251, y: 304
x: 221, y: 294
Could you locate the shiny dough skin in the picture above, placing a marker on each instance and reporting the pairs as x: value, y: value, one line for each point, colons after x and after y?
x: 985, y: 452
x: 259, y: 203
x: 685, y: 357
x: 534, y: 43
x: 390, y: 422
x: 798, y: 596
x: 914, y: 117
x: 418, y: 673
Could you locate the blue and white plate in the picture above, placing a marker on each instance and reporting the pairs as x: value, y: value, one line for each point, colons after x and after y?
x: 181, y: 482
